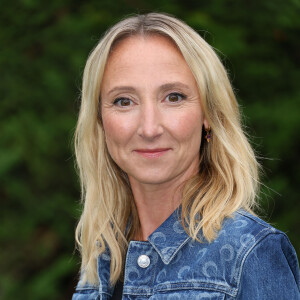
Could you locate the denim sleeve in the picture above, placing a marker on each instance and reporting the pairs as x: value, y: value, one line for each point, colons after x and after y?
x: 270, y: 271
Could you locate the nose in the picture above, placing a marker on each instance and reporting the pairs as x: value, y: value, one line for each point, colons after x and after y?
x: 150, y: 126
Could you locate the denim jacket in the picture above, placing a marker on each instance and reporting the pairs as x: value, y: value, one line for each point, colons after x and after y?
x: 248, y: 260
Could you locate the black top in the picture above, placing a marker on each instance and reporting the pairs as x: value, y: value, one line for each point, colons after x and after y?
x: 117, y: 295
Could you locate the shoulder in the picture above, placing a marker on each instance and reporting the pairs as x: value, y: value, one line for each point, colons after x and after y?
x: 245, y: 231
x: 260, y: 254
x: 85, y: 291
x: 240, y: 233
x: 246, y: 253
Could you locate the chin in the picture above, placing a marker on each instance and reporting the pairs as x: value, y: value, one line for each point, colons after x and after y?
x: 152, y: 179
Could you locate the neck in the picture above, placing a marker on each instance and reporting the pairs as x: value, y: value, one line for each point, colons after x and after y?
x: 155, y: 203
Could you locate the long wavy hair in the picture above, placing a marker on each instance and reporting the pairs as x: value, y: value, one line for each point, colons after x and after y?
x: 228, y: 170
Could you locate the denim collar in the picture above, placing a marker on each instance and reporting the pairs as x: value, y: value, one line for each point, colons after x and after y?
x: 169, y: 237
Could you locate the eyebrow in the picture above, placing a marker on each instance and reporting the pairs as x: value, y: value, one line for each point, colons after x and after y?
x: 121, y: 88
x: 166, y: 86
x: 172, y: 85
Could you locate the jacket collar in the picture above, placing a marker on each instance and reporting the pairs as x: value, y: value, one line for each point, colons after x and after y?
x: 169, y: 237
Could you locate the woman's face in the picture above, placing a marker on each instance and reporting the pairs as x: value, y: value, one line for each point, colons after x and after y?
x: 151, y: 111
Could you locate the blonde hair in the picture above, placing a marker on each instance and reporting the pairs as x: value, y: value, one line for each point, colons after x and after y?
x: 228, y: 172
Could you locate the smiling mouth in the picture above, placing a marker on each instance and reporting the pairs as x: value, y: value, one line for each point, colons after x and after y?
x: 152, y: 153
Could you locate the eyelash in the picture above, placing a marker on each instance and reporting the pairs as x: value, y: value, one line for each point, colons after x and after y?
x: 118, y: 100
x: 182, y: 96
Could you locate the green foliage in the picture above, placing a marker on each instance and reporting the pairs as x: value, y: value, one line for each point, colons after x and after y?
x: 44, y: 49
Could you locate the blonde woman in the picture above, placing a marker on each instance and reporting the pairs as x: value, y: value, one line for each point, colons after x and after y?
x: 169, y: 180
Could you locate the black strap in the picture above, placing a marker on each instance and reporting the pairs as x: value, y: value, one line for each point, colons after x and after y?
x: 118, y: 291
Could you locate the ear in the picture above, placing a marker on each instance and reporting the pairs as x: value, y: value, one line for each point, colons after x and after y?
x: 206, y: 124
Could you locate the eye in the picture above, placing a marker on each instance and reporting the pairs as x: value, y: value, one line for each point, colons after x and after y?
x: 175, y: 97
x: 123, y: 102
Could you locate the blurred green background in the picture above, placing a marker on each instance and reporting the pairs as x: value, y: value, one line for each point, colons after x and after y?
x: 44, y: 46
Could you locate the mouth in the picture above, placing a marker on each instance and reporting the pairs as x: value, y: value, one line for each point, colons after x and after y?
x: 152, y: 153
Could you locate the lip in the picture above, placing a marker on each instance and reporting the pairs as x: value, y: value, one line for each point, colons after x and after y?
x: 152, y: 153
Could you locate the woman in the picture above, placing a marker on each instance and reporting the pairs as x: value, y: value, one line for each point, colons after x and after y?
x: 169, y: 180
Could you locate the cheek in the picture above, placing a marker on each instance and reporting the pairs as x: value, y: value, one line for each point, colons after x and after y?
x: 117, y: 130
x: 188, y: 128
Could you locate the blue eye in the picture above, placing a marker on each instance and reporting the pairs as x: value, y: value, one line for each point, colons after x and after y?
x: 175, y: 97
x: 123, y: 102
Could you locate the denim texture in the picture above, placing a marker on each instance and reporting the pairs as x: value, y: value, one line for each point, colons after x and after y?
x: 248, y: 260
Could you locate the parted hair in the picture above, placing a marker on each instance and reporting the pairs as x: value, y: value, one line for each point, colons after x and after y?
x: 228, y: 170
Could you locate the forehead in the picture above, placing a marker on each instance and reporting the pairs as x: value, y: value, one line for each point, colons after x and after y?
x: 148, y: 58
x: 137, y: 39
x: 144, y: 46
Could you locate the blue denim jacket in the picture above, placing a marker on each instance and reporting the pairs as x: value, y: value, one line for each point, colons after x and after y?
x: 249, y: 260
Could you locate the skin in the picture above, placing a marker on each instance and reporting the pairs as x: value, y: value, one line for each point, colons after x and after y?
x: 152, y: 118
